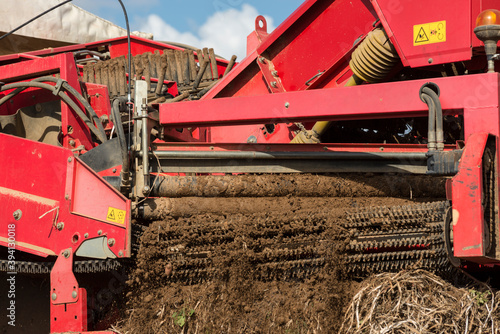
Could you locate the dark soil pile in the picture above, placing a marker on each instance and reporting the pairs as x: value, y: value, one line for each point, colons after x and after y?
x: 230, y: 288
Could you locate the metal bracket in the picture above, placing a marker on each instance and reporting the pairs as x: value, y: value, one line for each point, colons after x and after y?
x: 68, y: 308
x: 58, y: 86
x: 261, y: 28
x: 271, y: 75
x: 443, y: 162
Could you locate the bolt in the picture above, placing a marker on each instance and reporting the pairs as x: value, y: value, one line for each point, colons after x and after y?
x: 72, y: 142
x: 99, y: 232
x: 430, y: 61
x: 262, y: 60
x: 54, y: 296
x: 274, y: 84
x: 17, y: 214
x: 114, y: 170
x: 86, y: 235
x: 145, y: 190
x: 66, y: 196
x: 111, y: 242
x: 70, y: 159
x: 74, y: 294
x: 275, y: 73
x: 66, y: 253
x: 381, y: 148
x: 252, y: 140
x: 38, y: 107
x: 120, y: 253
x: 287, y: 105
x: 60, y: 226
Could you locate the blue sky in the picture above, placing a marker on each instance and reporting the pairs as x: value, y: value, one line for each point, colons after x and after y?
x: 224, y: 24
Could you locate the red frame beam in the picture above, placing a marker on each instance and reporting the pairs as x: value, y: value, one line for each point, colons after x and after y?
x: 388, y: 100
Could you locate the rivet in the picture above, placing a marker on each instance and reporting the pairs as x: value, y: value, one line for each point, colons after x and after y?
x: 66, y: 196
x: 114, y: 170
x: 99, y: 232
x: 381, y: 148
x: 74, y: 294
x: 86, y: 235
x: 287, y: 105
x: 70, y: 159
x: 66, y: 253
x: 60, y: 226
x: 120, y: 253
x: 430, y: 61
x: 274, y: 84
x: 111, y: 242
x: 54, y: 296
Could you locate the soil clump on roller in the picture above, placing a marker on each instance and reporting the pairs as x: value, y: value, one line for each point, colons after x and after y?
x: 269, y: 272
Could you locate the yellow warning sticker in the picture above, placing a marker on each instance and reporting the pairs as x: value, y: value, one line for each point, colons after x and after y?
x: 428, y: 33
x: 116, y: 215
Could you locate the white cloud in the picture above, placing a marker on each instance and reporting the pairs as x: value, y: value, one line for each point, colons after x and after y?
x: 226, y: 31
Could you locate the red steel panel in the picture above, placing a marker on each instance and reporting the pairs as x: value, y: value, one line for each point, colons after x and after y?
x: 318, y: 35
x: 399, y: 19
x: 467, y: 196
x: 50, y: 186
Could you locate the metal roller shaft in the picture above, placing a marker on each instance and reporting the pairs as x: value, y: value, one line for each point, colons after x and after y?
x: 305, y: 185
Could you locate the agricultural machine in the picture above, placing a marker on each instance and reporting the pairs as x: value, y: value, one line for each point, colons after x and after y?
x: 98, y: 139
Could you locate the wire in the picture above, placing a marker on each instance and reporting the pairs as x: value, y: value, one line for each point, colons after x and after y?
x: 36, y: 17
x: 129, y: 70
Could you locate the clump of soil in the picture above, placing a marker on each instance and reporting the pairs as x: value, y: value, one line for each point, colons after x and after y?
x: 417, y: 301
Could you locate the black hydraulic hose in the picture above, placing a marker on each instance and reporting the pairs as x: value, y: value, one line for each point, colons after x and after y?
x: 33, y: 19
x: 431, y: 131
x: 129, y: 51
x: 117, y: 121
x: 80, y: 98
x: 74, y: 92
x: 439, y: 116
x: 63, y: 96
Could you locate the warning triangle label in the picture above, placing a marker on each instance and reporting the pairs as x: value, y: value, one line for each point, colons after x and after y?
x: 111, y: 215
x: 421, y: 36
x: 116, y: 215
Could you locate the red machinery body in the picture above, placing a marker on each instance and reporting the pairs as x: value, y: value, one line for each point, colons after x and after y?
x: 294, y: 74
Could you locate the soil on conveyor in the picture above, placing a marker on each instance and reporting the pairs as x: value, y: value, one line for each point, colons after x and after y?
x: 277, y: 270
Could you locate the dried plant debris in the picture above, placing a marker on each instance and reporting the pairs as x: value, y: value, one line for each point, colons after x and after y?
x: 418, y: 301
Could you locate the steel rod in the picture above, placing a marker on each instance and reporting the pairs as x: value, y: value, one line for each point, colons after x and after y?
x: 412, y: 156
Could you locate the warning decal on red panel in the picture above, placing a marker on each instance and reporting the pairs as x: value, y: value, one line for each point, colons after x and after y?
x: 428, y: 33
x: 116, y: 215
